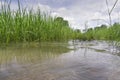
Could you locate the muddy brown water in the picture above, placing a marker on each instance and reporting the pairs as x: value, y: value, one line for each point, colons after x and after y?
x: 59, y: 61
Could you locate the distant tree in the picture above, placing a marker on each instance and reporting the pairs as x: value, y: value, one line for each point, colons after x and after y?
x: 103, y: 26
x: 116, y: 24
x: 59, y: 19
x: 97, y: 28
x: 90, y: 29
x: 65, y: 22
x: 78, y: 30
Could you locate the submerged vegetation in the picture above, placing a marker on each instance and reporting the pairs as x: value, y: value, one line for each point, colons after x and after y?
x: 27, y: 25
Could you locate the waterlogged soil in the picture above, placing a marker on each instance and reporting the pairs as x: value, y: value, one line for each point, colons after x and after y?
x: 95, y: 60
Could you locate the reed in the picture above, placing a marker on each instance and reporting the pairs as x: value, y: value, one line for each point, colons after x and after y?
x: 110, y: 33
x: 26, y: 26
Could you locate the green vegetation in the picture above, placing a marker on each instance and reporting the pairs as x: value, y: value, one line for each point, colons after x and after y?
x: 28, y: 25
x: 103, y: 32
x: 25, y: 25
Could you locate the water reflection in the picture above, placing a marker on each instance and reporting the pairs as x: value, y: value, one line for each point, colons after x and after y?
x: 59, y: 61
x: 26, y: 53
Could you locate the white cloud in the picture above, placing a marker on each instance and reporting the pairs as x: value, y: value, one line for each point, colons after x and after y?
x: 45, y: 8
x: 80, y: 12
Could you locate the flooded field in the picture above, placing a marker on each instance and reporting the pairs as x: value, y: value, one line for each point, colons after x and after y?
x: 96, y: 60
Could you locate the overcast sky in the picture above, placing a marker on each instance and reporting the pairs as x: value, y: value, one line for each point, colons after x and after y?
x: 77, y: 12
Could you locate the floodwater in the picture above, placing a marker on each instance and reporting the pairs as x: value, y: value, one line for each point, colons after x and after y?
x: 95, y: 60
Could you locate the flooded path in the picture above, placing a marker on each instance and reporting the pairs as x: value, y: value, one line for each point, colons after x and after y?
x: 60, y: 61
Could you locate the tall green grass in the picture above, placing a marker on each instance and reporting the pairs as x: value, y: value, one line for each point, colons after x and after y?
x: 27, y: 25
x: 111, y: 33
